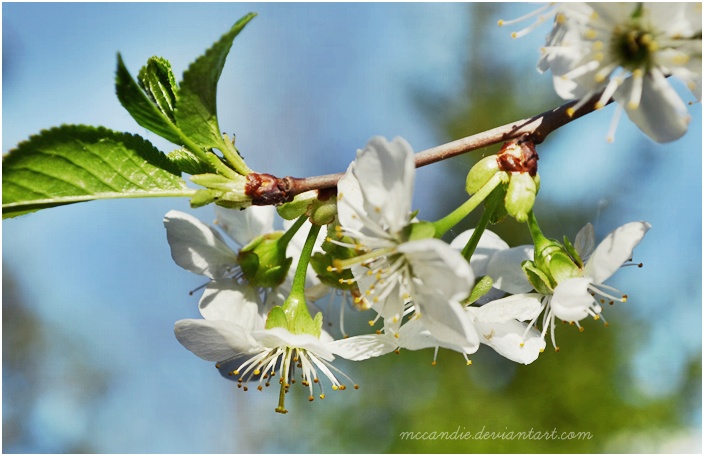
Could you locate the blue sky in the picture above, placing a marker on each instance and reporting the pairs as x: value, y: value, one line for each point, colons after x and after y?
x: 305, y: 85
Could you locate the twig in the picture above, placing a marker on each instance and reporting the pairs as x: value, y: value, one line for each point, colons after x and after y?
x: 536, y: 127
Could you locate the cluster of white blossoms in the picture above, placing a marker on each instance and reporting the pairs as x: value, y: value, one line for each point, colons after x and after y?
x: 256, y: 320
x: 626, y: 51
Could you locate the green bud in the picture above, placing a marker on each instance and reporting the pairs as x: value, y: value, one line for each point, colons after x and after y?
x: 520, y: 195
x: 264, y: 262
x: 480, y: 173
x: 224, y: 191
x: 299, y: 206
x: 322, y: 212
x: 204, y: 197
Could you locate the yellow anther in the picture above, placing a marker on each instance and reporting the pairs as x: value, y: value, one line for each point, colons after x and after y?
x: 624, y: 298
x: 521, y: 344
x: 596, y: 317
x: 469, y: 362
x: 217, y: 366
x: 581, y: 329
x: 310, y: 398
x: 598, y: 105
x: 343, y: 387
x: 356, y: 386
x: 397, y: 351
x: 339, y: 196
x: 260, y: 387
x: 606, y: 324
x: 371, y: 322
x: 256, y: 372
x: 542, y: 350
x: 590, y: 34
x: 245, y: 389
x: 376, y: 299
x: 560, y: 18
x: 434, y: 363
x: 377, y: 209
x: 557, y: 349
x: 322, y: 396
x: 396, y: 335
x: 570, y: 112
x: 500, y: 23
x: 235, y: 372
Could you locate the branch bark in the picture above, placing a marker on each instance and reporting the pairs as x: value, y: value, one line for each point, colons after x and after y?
x: 536, y: 127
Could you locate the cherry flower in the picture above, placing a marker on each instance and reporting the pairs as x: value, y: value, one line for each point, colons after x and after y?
x: 400, y: 264
x: 234, y: 334
x: 627, y: 50
x: 573, y: 288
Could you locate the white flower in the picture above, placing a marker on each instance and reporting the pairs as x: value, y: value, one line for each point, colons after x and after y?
x: 200, y: 249
x: 582, y: 295
x: 499, y: 324
x: 627, y: 50
x: 233, y: 335
x: 395, y: 269
x: 493, y: 257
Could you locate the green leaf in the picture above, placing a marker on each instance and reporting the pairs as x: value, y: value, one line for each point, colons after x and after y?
x: 196, y: 113
x: 141, y: 108
x: 158, y: 82
x: 74, y: 163
x: 188, y: 163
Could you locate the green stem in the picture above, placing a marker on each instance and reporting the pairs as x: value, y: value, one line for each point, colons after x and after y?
x: 443, y: 225
x: 290, y: 233
x: 299, y: 278
x: 492, y: 203
x: 229, y: 151
x: 539, y: 239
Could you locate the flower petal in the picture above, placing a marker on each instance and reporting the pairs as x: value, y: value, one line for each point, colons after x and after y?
x: 488, y: 245
x: 282, y: 338
x: 505, y: 269
x: 359, y: 348
x: 661, y: 114
x: 520, y: 307
x: 386, y: 173
x: 415, y: 336
x: 507, y: 340
x: 227, y: 300
x: 215, y: 340
x: 571, y: 299
x: 584, y: 241
x: 197, y: 247
x: 245, y: 225
x: 614, y: 250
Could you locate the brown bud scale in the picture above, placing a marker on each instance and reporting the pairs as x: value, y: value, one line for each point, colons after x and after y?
x: 519, y: 156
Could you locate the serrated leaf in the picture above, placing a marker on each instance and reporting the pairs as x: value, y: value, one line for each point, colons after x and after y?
x: 158, y: 82
x: 196, y: 113
x: 188, y: 163
x: 141, y: 108
x: 74, y: 163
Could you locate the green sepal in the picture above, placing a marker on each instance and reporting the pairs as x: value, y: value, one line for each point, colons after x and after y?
x: 204, y: 196
x: 419, y: 230
x: 158, y: 82
x: 481, y: 287
x: 537, y: 278
x: 188, y: 163
x: 573, y: 252
x: 562, y: 267
x: 264, y: 262
x: 299, y: 319
x: 276, y: 318
x: 75, y: 163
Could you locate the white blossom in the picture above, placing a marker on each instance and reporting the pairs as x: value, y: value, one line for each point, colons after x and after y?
x: 627, y: 50
x: 395, y: 269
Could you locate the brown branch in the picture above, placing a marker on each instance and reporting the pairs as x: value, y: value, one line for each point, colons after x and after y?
x: 536, y: 127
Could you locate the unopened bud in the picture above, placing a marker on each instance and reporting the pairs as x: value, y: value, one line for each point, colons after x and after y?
x: 520, y: 195
x: 264, y: 262
x: 481, y: 173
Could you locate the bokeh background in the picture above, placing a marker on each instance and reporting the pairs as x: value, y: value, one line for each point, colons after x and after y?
x: 90, y: 293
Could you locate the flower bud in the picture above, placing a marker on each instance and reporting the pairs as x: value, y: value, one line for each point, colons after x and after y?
x: 481, y: 173
x: 264, y: 262
x: 299, y: 206
x: 520, y: 195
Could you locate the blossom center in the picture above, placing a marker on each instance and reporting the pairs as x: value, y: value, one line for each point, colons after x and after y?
x: 633, y: 47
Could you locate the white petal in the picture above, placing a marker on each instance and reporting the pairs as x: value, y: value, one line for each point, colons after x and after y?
x: 359, y: 348
x: 439, y: 267
x: 215, y: 340
x: 520, y: 307
x: 245, y: 225
x: 584, y: 241
x: 386, y: 173
x: 614, y: 250
x: 505, y: 269
x: 446, y: 320
x: 571, y: 299
x: 279, y: 337
x: 197, y: 247
x: 415, y: 336
x: 227, y: 300
x: 488, y: 245
x: 661, y: 114
x: 507, y: 340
